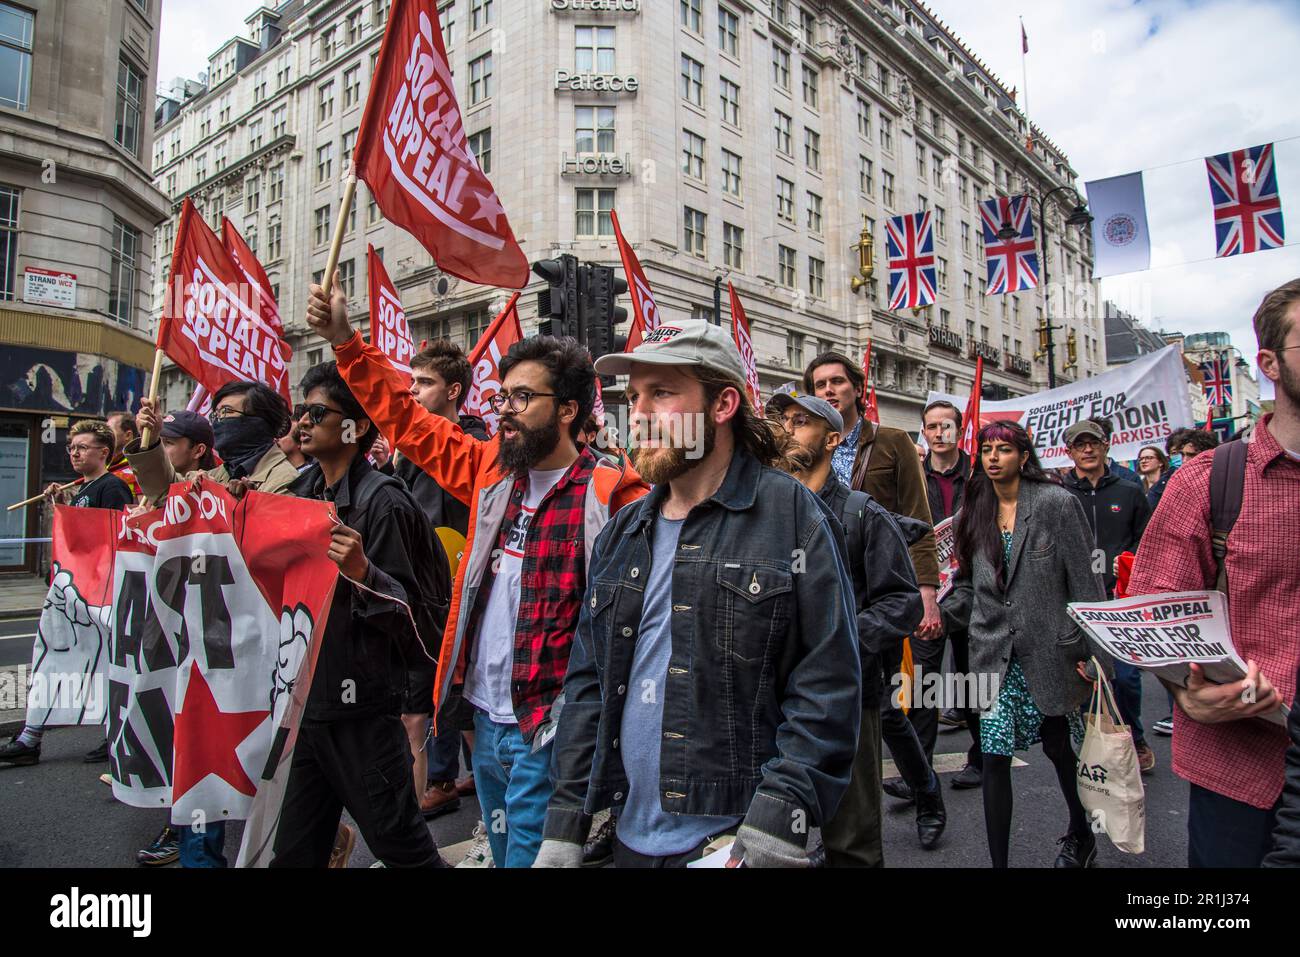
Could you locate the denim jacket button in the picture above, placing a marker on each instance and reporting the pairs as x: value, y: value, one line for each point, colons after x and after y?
x: 593, y: 601
x: 622, y: 689
x: 627, y: 632
x: 635, y: 572
x: 618, y: 795
x: 616, y: 743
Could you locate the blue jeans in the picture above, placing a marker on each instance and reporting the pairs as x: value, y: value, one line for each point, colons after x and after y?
x: 513, y: 786
x: 1128, y: 695
x: 204, y: 849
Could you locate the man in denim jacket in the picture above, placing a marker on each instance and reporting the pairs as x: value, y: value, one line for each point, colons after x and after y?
x: 714, y: 683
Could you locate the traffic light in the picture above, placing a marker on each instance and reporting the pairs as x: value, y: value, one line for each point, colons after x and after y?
x: 559, y: 306
x: 603, y: 314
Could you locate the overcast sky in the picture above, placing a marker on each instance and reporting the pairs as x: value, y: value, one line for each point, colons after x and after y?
x: 1120, y: 85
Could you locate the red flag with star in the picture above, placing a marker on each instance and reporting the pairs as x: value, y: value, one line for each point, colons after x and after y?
x: 745, y: 346
x: 390, y: 333
x: 413, y: 153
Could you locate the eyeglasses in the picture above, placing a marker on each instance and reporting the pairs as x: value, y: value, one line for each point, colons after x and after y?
x: 1086, y: 444
x: 517, y: 400
x: 796, y: 421
x: 225, y: 412
x: 82, y: 449
x: 316, y: 412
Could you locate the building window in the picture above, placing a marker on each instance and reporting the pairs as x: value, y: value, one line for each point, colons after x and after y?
x: 223, y: 112
x: 593, y: 129
x: 324, y: 162
x: 121, y: 272
x: 866, y: 181
x: 693, y: 235
x: 782, y: 130
x: 259, y: 85
x: 219, y: 156
x: 593, y: 208
x: 205, y: 124
x: 733, y: 246
x: 480, y: 14
x: 8, y: 242
x: 325, y: 102
x: 480, y: 144
x: 936, y: 169
x: 963, y: 186
x: 730, y: 102
x: 692, y: 81
x: 250, y: 236
x: 941, y: 267
x: 883, y: 78
x: 252, y: 194
x: 886, y: 187
x: 372, y: 212
x: 348, y: 277
x: 692, y: 15
x: 279, y: 121
x: 809, y: 86
x: 967, y: 286
x: 352, y: 26
x: 731, y: 173
x: 349, y: 143
x: 201, y: 167
x: 785, y: 269
x: 886, y: 133
x: 126, y: 133
x: 812, y: 149
x: 283, y: 72
x: 781, y: 67
x: 254, y: 135
x: 273, y: 241
x: 965, y: 237
x: 941, y: 222
x: 808, y: 27
x: 814, y: 212
x: 728, y: 31
x: 864, y: 118
x: 593, y: 49
x: 16, y: 29
x: 352, y: 86
x: 816, y: 278
x: 448, y: 17
x: 936, y: 123
x: 784, y: 199
x: 920, y: 163
x: 480, y: 79
x: 321, y: 230
x: 692, y: 154
x: 794, y: 347
x: 327, y: 41
x: 275, y: 183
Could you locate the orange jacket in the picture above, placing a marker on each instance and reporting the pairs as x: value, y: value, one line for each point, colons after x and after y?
x: 465, y: 467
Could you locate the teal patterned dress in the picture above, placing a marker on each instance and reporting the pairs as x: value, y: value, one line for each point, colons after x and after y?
x: 1014, y: 723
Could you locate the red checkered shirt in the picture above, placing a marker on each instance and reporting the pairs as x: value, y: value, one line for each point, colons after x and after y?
x: 1243, y: 760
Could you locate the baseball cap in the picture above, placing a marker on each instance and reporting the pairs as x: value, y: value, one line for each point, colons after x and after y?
x: 692, y: 343
x: 789, y: 395
x: 185, y: 424
x: 1082, y: 428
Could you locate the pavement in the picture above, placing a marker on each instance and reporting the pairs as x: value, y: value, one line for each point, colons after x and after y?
x: 16, y: 637
x: 21, y: 596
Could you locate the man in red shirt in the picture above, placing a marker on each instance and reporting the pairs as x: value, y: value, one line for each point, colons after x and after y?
x: 1233, y: 758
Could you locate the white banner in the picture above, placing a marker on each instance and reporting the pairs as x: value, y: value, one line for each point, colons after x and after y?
x: 1120, y: 238
x: 1145, y: 400
x: 946, y: 547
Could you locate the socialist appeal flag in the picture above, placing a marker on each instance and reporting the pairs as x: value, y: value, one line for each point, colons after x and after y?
x: 389, y: 331
x: 745, y: 345
x: 255, y: 276
x: 645, y: 314
x: 485, y: 364
x: 413, y: 153
x: 971, y: 417
x: 210, y: 325
x: 1120, y: 238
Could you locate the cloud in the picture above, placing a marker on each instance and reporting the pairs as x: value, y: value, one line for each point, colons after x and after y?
x: 192, y: 30
x: 1123, y: 86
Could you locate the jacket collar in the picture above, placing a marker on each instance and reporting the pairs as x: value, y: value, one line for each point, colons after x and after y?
x: 738, y: 490
x: 832, y: 485
x: 311, y: 484
x: 1073, y: 479
x: 960, y: 470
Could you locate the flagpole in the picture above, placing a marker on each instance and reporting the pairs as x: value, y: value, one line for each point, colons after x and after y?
x: 153, y: 392
x: 1024, y: 76
x: 345, y: 206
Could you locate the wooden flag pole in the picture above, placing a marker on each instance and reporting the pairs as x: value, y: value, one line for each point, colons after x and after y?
x: 153, y: 393
x: 62, y: 488
x: 331, y: 264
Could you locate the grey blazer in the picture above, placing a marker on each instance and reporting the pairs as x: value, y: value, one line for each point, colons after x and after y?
x: 1051, y: 564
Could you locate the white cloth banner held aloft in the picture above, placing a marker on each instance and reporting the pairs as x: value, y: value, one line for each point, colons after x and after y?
x: 1120, y: 238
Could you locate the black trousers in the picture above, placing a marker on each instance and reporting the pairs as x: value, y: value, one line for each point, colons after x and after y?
x: 1222, y: 832
x: 624, y: 856
x: 852, y: 837
x: 927, y: 657
x: 961, y: 665
x: 364, y: 765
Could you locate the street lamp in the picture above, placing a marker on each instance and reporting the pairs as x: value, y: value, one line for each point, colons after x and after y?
x: 865, y: 248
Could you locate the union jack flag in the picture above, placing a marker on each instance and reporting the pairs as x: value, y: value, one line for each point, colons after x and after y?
x: 910, y: 241
x: 1247, y: 208
x: 1012, y: 264
x: 1218, y: 381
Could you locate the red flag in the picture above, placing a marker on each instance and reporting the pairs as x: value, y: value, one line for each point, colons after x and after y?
x: 971, y: 430
x: 1209, y: 422
x: 485, y: 361
x: 209, y: 327
x: 645, y: 314
x: 872, y: 412
x: 389, y: 331
x: 740, y: 333
x: 254, y: 275
x: 598, y: 409
x: 413, y: 154
x: 1024, y: 38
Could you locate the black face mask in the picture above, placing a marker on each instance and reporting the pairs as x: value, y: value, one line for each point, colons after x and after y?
x: 241, y: 440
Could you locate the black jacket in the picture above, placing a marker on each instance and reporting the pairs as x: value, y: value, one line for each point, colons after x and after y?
x: 369, y: 642
x: 959, y: 474
x: 440, y: 507
x: 885, y: 593
x: 1286, y: 832
x: 1117, y: 512
x: 763, y: 697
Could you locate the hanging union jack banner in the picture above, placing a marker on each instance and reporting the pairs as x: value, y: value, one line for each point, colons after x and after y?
x: 1247, y: 207
x: 1012, y: 263
x: 1218, y: 381
x: 911, y: 261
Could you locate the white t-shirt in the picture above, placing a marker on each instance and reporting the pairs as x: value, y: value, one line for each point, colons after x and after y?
x: 487, y: 686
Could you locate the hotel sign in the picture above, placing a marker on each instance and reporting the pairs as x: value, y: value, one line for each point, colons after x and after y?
x: 942, y: 338
x: 609, y: 6
x: 596, y: 164
x: 595, y: 82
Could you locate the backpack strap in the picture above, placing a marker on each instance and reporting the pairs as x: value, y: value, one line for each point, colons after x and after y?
x: 1227, y: 487
x: 853, y: 516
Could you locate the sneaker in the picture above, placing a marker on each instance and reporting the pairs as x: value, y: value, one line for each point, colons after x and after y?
x: 441, y: 798
x: 465, y: 786
x: 344, y: 841
x: 898, y: 788
x: 967, y: 778
x: 1077, y: 852
x: 97, y: 755
x: 599, y: 849
x: 165, y: 849
x: 480, y: 852
x: 19, y: 754
x: 1146, y: 758
x: 953, y: 718
x: 1164, y: 726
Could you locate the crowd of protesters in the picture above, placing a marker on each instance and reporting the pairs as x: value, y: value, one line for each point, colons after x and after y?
x: 701, y: 644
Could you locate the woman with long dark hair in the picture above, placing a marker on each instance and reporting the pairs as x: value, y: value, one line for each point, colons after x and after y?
x: 1153, y: 467
x: 1024, y: 551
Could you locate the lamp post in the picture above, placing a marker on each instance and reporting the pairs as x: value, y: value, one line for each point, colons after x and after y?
x: 1079, y: 216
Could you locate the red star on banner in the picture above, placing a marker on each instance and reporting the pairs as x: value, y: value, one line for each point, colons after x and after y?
x: 1146, y: 615
x: 210, y: 736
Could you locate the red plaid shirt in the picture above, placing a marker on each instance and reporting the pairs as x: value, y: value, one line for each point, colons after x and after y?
x: 1243, y: 760
x: 552, y: 579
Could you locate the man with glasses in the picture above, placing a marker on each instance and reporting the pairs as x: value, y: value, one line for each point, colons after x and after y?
x: 537, y: 503
x: 1118, y: 513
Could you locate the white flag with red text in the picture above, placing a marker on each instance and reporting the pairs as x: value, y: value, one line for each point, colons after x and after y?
x: 389, y: 331
x: 645, y: 314
x: 485, y: 364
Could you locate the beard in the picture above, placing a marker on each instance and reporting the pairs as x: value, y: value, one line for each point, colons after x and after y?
x: 660, y: 465
x: 1288, y: 380
x: 516, y: 456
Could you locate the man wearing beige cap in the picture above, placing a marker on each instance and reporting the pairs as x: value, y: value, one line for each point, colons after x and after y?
x: 714, y: 683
